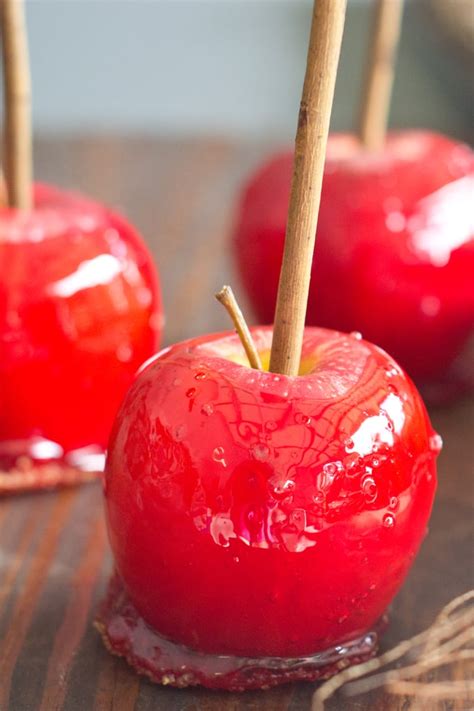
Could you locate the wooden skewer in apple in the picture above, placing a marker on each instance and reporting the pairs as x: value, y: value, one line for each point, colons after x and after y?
x: 309, y: 158
x: 310, y: 150
x: 17, y: 99
x: 377, y: 93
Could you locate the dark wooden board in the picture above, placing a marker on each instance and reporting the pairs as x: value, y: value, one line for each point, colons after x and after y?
x: 54, y: 559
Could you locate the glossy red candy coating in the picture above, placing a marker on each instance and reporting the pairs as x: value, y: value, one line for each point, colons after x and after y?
x: 126, y: 634
x: 80, y: 311
x: 254, y: 514
x: 394, y: 253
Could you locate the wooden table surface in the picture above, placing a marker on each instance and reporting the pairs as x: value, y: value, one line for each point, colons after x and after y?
x: 54, y: 558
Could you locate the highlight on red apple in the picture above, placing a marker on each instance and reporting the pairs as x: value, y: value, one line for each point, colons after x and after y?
x: 395, y: 241
x: 80, y: 310
x: 394, y: 252
x: 80, y: 307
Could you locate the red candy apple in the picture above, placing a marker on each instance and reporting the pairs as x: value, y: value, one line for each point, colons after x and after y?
x: 261, y: 524
x: 80, y: 310
x: 394, y: 254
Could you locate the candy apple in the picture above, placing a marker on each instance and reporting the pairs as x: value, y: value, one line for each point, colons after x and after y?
x: 394, y: 250
x: 261, y: 524
x: 80, y: 310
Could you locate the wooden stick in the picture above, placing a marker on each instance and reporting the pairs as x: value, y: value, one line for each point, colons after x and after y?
x: 17, y: 100
x: 227, y: 299
x: 3, y: 191
x: 380, y: 71
x: 310, y: 151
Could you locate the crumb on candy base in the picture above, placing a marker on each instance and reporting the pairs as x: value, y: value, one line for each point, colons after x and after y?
x: 27, y: 476
x: 126, y: 634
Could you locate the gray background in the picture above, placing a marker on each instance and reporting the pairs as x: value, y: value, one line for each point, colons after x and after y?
x: 225, y: 67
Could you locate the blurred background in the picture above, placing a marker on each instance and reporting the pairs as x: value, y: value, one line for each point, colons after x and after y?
x: 164, y: 107
x: 231, y: 67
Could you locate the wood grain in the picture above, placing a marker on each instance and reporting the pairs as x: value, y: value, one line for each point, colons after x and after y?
x: 54, y: 559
